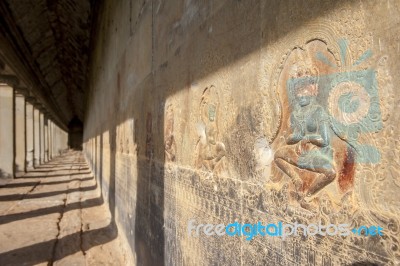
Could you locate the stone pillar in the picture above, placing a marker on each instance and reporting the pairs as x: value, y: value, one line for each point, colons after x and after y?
x: 29, y: 135
x: 55, y: 134
x: 65, y: 145
x: 54, y: 137
x: 36, y: 137
x: 20, y: 146
x: 41, y: 141
x: 6, y: 131
x: 46, y: 139
x: 50, y: 139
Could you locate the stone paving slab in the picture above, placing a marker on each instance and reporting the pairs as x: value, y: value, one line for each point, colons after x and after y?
x: 55, y: 215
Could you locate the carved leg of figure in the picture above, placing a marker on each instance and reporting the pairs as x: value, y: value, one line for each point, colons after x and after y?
x: 287, y: 168
x: 286, y: 159
x: 326, y: 176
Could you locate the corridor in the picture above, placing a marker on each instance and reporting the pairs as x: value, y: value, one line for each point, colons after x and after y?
x: 55, y: 215
x: 200, y: 132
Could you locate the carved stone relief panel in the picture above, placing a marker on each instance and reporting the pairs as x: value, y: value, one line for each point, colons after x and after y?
x: 331, y: 117
x: 210, y: 151
x: 169, y: 139
x: 126, y: 138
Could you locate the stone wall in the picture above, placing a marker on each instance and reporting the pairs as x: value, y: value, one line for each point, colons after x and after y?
x: 224, y: 111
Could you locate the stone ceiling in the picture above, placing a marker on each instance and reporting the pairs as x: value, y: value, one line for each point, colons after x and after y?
x: 46, y: 43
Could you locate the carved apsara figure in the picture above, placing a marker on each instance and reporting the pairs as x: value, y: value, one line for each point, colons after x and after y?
x: 169, y: 139
x: 210, y: 152
x: 308, y: 146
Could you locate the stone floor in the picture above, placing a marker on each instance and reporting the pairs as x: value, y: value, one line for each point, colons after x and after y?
x: 55, y: 215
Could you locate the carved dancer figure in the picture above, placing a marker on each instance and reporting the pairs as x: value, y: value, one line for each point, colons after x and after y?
x: 308, y: 146
x: 210, y: 151
x: 169, y: 139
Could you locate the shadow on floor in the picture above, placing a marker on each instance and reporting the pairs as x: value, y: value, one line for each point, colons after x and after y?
x: 42, y: 252
x: 45, y: 194
x: 30, y: 184
x: 55, y: 175
x: 46, y: 211
x: 56, y: 249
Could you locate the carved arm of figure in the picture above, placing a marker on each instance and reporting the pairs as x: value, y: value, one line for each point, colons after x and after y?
x: 321, y: 139
x: 298, y: 131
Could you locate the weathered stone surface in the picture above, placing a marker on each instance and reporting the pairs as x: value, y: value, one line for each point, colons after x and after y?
x: 29, y: 135
x: 6, y: 131
x: 41, y: 138
x: 36, y: 137
x: 19, y: 133
x: 190, y: 114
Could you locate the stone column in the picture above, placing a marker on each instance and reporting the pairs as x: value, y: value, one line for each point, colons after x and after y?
x: 41, y: 126
x: 20, y: 146
x: 36, y: 137
x: 29, y: 135
x: 46, y: 139
x: 64, y: 140
x: 50, y: 139
x: 6, y: 131
x: 55, y: 135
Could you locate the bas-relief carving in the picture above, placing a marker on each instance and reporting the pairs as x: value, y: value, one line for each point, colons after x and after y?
x: 126, y: 139
x: 169, y: 139
x: 330, y: 115
x: 333, y: 142
x: 210, y: 151
x: 325, y: 112
x: 308, y: 146
x: 351, y: 194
